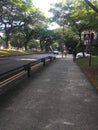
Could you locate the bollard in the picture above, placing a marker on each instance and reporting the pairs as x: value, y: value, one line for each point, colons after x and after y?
x: 50, y: 57
x: 43, y: 60
x: 28, y: 69
x: 54, y: 58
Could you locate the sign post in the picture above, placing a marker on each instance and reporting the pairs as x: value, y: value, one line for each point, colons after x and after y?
x: 89, y: 39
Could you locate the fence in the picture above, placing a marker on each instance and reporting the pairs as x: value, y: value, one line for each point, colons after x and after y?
x: 13, y: 74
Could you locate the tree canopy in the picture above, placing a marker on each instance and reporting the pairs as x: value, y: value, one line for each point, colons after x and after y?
x: 76, y: 15
x: 21, y: 22
x: 21, y: 16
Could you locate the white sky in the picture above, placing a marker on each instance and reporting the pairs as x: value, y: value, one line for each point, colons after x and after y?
x: 44, y: 5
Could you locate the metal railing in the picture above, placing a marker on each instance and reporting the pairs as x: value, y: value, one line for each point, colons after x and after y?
x: 13, y: 74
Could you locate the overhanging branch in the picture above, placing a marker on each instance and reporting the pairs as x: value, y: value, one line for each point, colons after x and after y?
x: 91, y: 5
x: 2, y: 37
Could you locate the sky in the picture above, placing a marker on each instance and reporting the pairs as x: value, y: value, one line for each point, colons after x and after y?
x: 44, y: 5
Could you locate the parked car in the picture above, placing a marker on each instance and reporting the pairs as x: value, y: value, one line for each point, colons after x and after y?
x: 56, y: 52
x: 80, y: 54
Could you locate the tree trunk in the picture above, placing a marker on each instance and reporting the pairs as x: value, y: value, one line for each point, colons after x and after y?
x: 41, y: 47
x: 25, y: 45
x: 8, y: 45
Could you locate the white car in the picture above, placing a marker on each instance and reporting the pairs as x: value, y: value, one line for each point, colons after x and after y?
x: 80, y: 54
x: 56, y: 52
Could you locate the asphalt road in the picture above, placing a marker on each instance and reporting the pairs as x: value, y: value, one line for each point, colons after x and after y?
x: 10, y: 63
x: 57, y: 97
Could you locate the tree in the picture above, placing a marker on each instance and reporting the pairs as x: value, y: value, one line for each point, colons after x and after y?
x: 16, y: 15
x: 91, y: 5
x: 45, y: 37
x: 34, y: 20
x: 75, y: 14
x: 10, y: 17
x: 66, y: 36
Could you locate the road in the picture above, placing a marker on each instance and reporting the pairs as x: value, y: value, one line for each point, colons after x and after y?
x: 56, y: 97
x: 10, y: 63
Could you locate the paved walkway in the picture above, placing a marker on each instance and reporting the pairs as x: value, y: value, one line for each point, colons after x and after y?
x: 57, y: 97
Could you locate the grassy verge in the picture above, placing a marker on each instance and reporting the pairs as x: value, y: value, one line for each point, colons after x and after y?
x: 12, y: 52
x: 92, y: 71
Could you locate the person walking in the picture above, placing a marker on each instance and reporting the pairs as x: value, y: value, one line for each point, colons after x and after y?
x: 74, y: 54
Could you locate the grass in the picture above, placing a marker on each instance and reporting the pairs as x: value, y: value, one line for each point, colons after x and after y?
x: 13, y: 52
x: 90, y: 71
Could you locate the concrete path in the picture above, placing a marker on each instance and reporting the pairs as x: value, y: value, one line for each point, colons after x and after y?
x: 57, y: 97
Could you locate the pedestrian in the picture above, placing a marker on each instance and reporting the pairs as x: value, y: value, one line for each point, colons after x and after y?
x: 74, y: 54
x: 62, y: 52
